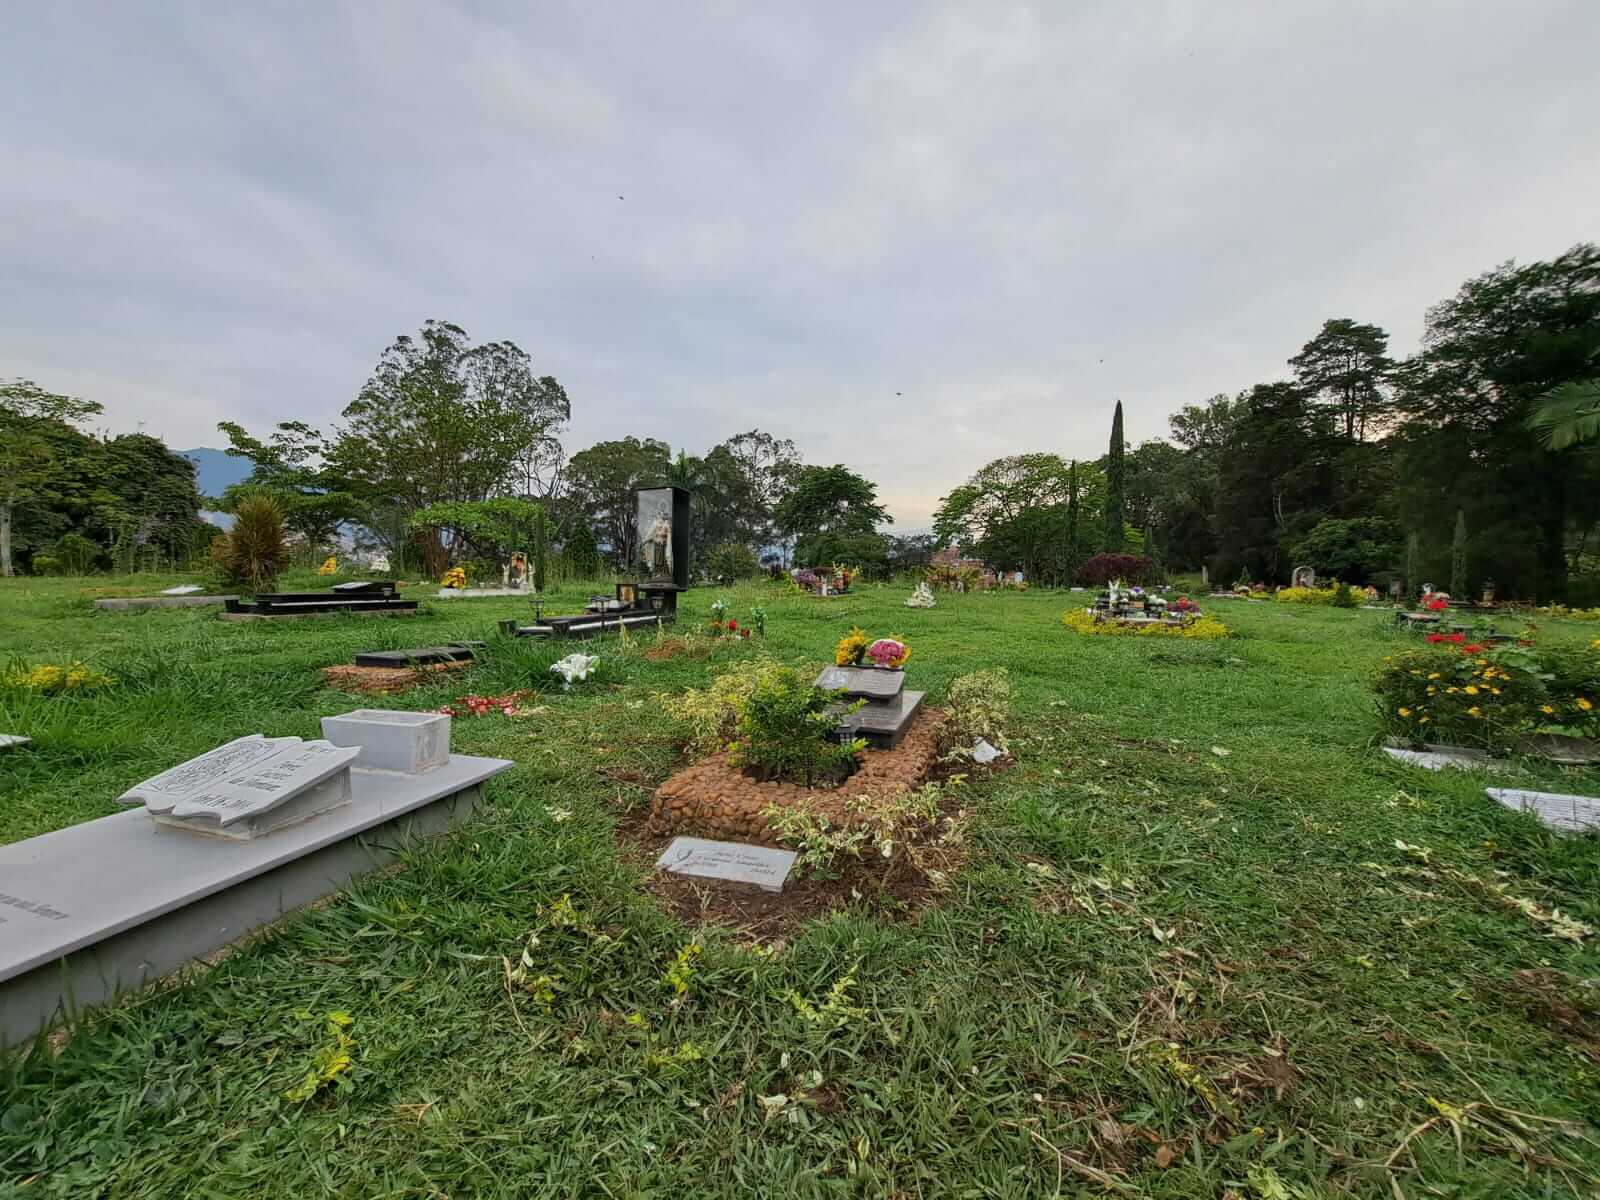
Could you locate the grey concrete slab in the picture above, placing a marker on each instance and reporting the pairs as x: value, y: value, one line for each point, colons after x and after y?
x: 136, y: 603
x: 1556, y: 810
x: 392, y: 740
x: 99, y: 908
x: 731, y: 862
x: 863, y: 683
x: 883, y: 725
x: 1437, y: 758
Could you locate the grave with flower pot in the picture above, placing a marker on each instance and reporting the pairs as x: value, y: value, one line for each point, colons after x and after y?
x: 828, y: 745
x: 1136, y: 607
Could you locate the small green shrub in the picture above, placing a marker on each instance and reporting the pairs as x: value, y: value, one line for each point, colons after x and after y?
x: 731, y: 562
x: 711, y: 712
x: 255, y: 551
x: 1345, y: 596
x: 979, y: 706
x: 46, y: 564
x: 77, y: 553
x: 783, y: 728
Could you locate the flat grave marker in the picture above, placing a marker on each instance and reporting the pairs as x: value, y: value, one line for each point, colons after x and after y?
x: 731, y: 862
x: 1555, y: 810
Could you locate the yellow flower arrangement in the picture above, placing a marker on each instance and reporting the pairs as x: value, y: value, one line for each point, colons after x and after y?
x: 53, y: 680
x: 852, y: 648
x: 330, y: 566
x: 455, y: 577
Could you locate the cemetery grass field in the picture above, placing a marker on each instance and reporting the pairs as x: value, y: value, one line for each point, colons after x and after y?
x: 1186, y: 957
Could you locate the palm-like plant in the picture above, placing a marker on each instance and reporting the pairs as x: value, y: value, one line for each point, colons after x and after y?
x: 1568, y: 414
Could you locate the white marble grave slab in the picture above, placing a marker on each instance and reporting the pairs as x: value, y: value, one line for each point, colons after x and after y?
x: 249, y: 786
x: 733, y: 862
x: 183, y: 589
x: 1569, y: 814
x: 124, y: 901
x: 8, y: 740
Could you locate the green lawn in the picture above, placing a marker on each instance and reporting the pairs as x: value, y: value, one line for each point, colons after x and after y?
x: 1186, y: 957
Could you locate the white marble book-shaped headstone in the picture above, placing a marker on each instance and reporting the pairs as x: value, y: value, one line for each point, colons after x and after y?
x: 249, y: 787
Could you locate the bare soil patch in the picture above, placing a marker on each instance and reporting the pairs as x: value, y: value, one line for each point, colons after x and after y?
x: 383, y: 681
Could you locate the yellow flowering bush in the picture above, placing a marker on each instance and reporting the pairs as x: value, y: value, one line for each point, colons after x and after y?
x: 52, y: 680
x: 1202, y: 629
x: 1576, y: 614
x: 1488, y: 699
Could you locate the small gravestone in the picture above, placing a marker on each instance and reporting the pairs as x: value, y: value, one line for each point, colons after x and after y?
x: 420, y: 656
x: 249, y: 787
x: 8, y: 740
x: 731, y: 862
x: 863, y: 683
x: 1555, y: 810
x: 183, y: 589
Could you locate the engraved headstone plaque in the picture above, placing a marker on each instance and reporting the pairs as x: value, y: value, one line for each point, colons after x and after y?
x: 248, y: 787
x: 863, y: 683
x: 733, y: 862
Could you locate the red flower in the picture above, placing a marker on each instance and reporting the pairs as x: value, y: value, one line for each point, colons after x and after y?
x: 1474, y: 648
x: 1435, y: 638
x: 732, y: 625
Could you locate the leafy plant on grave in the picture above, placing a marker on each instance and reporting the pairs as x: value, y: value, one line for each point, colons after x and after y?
x: 712, y: 712
x: 978, y: 705
x: 890, y: 828
x: 256, y: 550
x: 329, y: 1061
x: 784, y: 728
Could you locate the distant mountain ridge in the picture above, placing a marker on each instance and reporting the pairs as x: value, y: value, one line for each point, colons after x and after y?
x: 217, y: 470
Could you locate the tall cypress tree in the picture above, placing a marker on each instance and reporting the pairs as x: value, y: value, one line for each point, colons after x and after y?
x: 1074, y: 548
x: 1116, y: 508
x: 1458, y: 559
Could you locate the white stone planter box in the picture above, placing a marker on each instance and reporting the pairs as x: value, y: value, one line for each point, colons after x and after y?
x: 410, y: 742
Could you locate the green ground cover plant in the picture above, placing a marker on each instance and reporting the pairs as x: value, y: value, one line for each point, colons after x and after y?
x: 1207, y: 940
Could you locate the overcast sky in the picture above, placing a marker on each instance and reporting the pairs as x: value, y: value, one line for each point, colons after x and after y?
x: 911, y: 237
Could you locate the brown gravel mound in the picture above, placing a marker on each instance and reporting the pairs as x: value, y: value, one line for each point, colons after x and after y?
x: 382, y: 681
x: 715, y: 799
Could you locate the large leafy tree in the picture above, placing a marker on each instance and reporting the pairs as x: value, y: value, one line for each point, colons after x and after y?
x: 600, y: 485
x: 442, y: 419
x: 1347, y: 368
x: 144, y: 501
x: 1491, y: 354
x: 292, y: 466
x: 832, y: 511
x: 35, y: 426
x: 1012, y: 511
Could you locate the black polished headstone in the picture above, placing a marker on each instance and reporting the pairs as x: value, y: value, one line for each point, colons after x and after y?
x: 421, y: 656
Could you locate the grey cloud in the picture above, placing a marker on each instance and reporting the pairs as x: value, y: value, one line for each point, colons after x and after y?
x: 1011, y: 214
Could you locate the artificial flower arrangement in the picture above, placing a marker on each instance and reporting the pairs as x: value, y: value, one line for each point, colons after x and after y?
x: 922, y: 597
x: 330, y: 566
x: 1436, y: 602
x: 1185, y: 605
x: 575, y: 668
x: 52, y: 680
x: 889, y: 653
x: 856, y: 648
x: 455, y: 577
x: 852, y: 648
x: 723, y: 625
